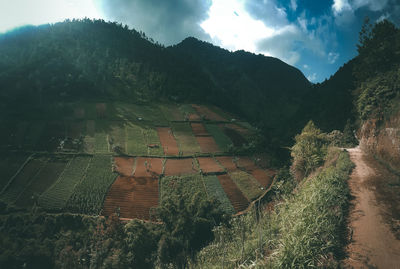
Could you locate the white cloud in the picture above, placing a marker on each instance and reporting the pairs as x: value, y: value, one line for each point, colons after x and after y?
x: 293, y: 5
x: 312, y: 77
x: 305, y: 66
x: 332, y: 57
x: 340, y: 6
x: 383, y: 17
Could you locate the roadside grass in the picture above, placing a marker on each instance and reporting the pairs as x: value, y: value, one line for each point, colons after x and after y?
x: 215, y: 191
x: 186, y: 141
x: 56, y: 197
x: 250, y: 187
x: 306, y: 229
x: 90, y: 192
x: 221, y: 139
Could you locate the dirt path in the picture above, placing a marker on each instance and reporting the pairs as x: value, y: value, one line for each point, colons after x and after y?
x: 374, y: 244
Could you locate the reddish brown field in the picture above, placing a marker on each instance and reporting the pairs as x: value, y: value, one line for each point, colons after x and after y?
x: 132, y: 197
x: 262, y: 177
x: 246, y: 163
x: 199, y: 129
x: 148, y: 167
x: 209, y: 165
x: 207, y: 144
x: 124, y: 166
x: 208, y: 114
x: 227, y: 162
x: 238, y: 128
x: 168, y: 141
x: 176, y: 167
x: 194, y: 117
x: 238, y: 200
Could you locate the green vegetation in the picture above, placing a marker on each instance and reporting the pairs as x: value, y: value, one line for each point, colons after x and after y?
x: 56, y: 197
x: 179, y: 185
x: 101, y: 138
x: 216, y: 192
x: 136, y: 145
x: 223, y: 142
x: 90, y: 192
x: 247, y: 184
x: 152, y: 139
x: 186, y: 141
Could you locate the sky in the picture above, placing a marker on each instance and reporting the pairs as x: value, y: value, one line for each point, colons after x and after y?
x: 316, y: 36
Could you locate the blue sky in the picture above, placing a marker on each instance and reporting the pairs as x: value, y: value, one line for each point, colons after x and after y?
x: 316, y: 36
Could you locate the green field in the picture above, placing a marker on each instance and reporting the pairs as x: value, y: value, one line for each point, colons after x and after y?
x: 221, y: 139
x: 89, y: 194
x: 101, y: 137
x: 136, y: 144
x: 151, y: 138
x: 187, y: 186
x: 56, y: 197
x: 247, y: 184
x: 117, y: 135
x: 215, y: 191
x: 171, y: 112
x: 186, y: 141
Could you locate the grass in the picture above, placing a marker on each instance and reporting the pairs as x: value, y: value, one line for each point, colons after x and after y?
x: 89, y: 194
x: 56, y: 197
x: 150, y: 114
x: 151, y: 138
x: 136, y: 144
x: 188, y: 184
x: 118, y: 135
x: 221, y: 139
x: 305, y: 230
x: 247, y: 184
x: 186, y: 141
x: 171, y: 112
x: 100, y: 137
x: 215, y: 191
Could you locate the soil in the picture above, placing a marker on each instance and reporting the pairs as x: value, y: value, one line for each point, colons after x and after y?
x: 228, y: 162
x: 132, y: 198
x: 208, y: 114
x: 176, y: 167
x: 194, y: 117
x: 209, y: 165
x: 168, y: 141
x: 375, y: 208
x: 199, y: 129
x: 247, y: 164
x: 235, y: 196
x: 148, y: 167
x: 262, y: 177
x: 207, y: 144
x: 124, y: 166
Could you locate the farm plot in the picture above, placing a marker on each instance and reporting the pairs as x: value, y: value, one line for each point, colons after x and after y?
x: 136, y: 144
x: 117, y: 137
x: 237, y: 139
x: 100, y: 137
x: 9, y: 164
x: 148, y: 167
x: 228, y: 162
x: 187, y: 142
x: 247, y: 184
x: 235, y: 195
x: 208, y: 114
x: 246, y: 163
x: 124, y: 166
x: 221, y: 139
x: 43, y: 180
x: 198, y: 129
x: 168, y: 141
x: 89, y: 193
x: 241, y: 130
x: 189, y: 113
x: 132, y: 198
x: 215, y: 191
x: 209, y: 166
x: 171, y: 112
x: 150, y: 114
x: 263, y: 177
x: 207, y: 144
x: 175, y: 167
x: 89, y: 140
x: 56, y: 197
x: 183, y: 186
x: 153, y: 142
x: 21, y: 180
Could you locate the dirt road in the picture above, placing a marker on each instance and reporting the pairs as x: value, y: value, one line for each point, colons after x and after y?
x: 373, y: 215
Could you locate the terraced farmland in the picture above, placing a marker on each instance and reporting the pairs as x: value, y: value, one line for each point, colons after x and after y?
x: 101, y: 158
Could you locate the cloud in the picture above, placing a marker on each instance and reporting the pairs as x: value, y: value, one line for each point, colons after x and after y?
x: 269, y: 12
x: 340, y: 6
x: 305, y: 66
x: 166, y: 21
x: 312, y: 77
x: 293, y: 5
x: 332, y: 57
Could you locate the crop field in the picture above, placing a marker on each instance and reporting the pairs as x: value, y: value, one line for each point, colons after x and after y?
x: 220, y: 138
x: 132, y: 198
x: 9, y: 165
x: 124, y: 166
x: 148, y: 167
x: 136, y: 144
x: 175, y: 167
x: 247, y: 184
x: 215, y: 191
x: 43, y: 180
x: 263, y: 177
x: 56, y: 197
x: 207, y: 144
x: 187, y: 185
x: 209, y: 166
x: 236, y: 137
x: 153, y: 142
x: 189, y: 113
x: 22, y: 180
x: 171, y: 112
x: 117, y: 136
x: 246, y: 163
x: 150, y: 114
x: 101, y: 137
x: 234, y: 194
x: 208, y: 114
x: 89, y: 193
x: 186, y: 141
x: 229, y: 162
x: 168, y: 141
x: 198, y: 129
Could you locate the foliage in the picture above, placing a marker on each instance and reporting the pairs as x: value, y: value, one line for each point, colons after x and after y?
x: 215, y: 191
x: 309, y: 150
